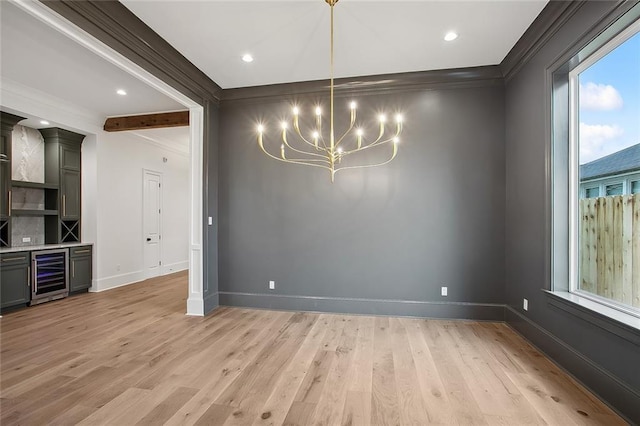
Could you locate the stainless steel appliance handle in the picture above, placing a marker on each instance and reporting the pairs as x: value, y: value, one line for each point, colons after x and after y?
x: 11, y: 259
x: 82, y: 251
x: 35, y: 279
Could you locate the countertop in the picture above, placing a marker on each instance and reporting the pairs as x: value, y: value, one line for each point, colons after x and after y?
x: 42, y: 247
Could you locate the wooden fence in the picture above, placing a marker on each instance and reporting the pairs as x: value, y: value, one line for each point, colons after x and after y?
x: 610, y: 247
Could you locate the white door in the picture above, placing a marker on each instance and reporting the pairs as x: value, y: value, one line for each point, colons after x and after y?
x: 152, y: 229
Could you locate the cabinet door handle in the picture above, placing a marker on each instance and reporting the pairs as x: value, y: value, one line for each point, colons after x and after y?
x: 9, y: 205
x: 82, y: 251
x: 11, y: 259
x: 28, y: 276
x: 73, y: 268
x: 64, y: 205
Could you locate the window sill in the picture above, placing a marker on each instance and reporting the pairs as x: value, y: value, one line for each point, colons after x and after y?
x: 622, y: 324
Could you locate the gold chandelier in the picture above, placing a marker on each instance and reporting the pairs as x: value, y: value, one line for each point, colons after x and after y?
x: 314, y: 150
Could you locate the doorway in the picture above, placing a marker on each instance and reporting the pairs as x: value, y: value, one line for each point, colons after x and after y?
x: 197, y: 291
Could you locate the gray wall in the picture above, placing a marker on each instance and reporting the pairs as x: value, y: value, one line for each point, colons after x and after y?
x: 433, y: 217
x: 592, y: 350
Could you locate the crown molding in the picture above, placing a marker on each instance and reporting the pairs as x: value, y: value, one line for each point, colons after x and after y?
x: 549, y: 21
x: 371, y: 85
x: 116, y: 26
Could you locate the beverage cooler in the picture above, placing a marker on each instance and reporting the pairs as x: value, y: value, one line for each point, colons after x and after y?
x: 50, y: 275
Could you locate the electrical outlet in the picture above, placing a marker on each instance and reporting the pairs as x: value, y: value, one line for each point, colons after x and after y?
x: 26, y: 239
x: 443, y: 291
x: 118, y: 268
x: 525, y: 304
x: 272, y: 285
x: 210, y: 221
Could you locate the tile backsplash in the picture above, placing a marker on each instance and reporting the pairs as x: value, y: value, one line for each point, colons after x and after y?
x: 27, y: 164
x: 31, y: 227
x: 27, y: 155
x: 27, y: 198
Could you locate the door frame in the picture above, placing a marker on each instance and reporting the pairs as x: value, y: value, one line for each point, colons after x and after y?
x: 195, y: 300
x: 160, y: 231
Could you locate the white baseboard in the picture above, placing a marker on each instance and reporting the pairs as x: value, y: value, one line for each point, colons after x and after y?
x: 175, y: 267
x: 115, y: 281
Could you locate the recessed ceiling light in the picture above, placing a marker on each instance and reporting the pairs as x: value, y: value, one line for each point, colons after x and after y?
x: 121, y: 92
x: 44, y: 122
x: 450, y: 36
x: 247, y: 58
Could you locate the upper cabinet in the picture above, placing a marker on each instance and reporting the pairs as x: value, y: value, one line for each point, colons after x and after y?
x: 63, y: 167
x: 70, y: 190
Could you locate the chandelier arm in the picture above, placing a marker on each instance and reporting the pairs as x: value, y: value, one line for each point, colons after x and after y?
x: 393, y: 155
x: 372, y: 145
x: 286, y: 142
x: 377, y: 142
x: 306, y: 161
x: 296, y: 161
x: 380, y: 135
x: 353, y: 121
x: 301, y: 162
x: 296, y: 127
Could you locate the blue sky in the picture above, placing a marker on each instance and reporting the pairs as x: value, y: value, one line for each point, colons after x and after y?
x: 610, y: 102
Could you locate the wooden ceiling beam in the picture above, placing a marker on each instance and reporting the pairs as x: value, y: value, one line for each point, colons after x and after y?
x: 147, y: 121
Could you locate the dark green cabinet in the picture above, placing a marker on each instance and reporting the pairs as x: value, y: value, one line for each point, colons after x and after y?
x: 70, y: 157
x: 70, y: 194
x: 62, y: 166
x: 80, y: 269
x: 15, y: 277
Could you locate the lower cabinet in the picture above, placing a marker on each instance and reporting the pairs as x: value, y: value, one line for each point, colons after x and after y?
x: 80, y: 261
x: 15, y: 278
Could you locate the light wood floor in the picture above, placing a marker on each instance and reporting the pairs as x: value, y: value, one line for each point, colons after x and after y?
x: 130, y: 356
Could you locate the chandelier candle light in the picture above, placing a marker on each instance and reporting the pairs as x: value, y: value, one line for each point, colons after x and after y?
x: 315, y: 151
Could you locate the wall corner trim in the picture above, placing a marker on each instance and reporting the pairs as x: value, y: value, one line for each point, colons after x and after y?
x: 554, y: 15
x: 620, y: 397
x: 211, y: 303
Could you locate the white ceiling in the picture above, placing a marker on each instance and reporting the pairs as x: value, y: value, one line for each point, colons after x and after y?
x: 290, y: 39
x: 37, y: 57
x: 40, y: 57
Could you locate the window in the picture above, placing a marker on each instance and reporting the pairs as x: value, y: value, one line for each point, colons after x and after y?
x: 614, y: 189
x: 592, y: 192
x: 595, y: 170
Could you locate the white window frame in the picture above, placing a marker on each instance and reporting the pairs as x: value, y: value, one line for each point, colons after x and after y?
x: 602, y: 183
x: 574, y: 168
